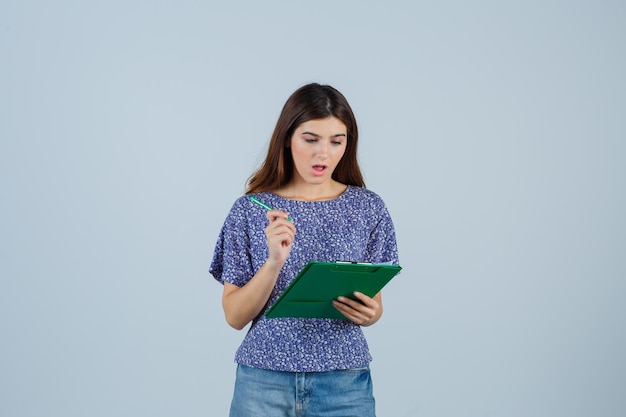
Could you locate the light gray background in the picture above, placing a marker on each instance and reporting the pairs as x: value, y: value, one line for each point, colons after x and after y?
x: 495, y: 132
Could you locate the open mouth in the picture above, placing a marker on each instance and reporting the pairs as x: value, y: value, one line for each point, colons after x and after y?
x: 319, y: 168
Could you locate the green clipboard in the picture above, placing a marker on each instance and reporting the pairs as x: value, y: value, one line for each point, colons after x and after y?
x: 311, y: 292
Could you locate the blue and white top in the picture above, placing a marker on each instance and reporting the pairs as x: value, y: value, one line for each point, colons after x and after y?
x: 355, y: 226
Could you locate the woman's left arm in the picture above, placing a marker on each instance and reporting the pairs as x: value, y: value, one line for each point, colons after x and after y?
x: 363, y: 311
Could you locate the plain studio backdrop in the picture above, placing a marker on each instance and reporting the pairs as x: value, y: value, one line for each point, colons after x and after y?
x: 494, y: 131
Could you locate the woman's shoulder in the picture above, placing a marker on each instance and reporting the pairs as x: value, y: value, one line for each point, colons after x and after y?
x: 363, y: 195
x: 240, y: 209
x: 239, y: 203
x: 362, y: 191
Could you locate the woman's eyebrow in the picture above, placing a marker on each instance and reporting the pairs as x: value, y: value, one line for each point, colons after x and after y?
x: 319, y: 136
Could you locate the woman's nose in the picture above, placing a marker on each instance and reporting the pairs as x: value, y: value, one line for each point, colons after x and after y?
x: 322, y: 150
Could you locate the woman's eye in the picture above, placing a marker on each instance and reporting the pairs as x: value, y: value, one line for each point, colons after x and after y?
x: 310, y: 140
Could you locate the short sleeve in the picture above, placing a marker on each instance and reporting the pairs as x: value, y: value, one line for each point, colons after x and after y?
x: 232, y: 261
x: 382, y: 246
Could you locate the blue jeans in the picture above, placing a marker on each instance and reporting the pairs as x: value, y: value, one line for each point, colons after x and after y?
x: 264, y: 393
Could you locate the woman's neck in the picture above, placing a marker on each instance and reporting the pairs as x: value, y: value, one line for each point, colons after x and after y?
x: 312, y: 192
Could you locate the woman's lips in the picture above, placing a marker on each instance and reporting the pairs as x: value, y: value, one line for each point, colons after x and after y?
x: 319, y: 169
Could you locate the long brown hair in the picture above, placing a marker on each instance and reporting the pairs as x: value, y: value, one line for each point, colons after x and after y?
x: 309, y: 102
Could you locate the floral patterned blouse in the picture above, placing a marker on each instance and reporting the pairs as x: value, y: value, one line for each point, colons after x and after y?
x: 355, y: 226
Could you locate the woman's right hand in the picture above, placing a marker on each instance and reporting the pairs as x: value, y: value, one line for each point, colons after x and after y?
x: 243, y: 304
x: 280, y: 234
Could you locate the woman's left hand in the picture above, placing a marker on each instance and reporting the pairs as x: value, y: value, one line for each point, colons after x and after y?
x: 364, y: 311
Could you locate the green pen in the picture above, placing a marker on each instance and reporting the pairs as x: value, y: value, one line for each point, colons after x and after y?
x: 265, y: 206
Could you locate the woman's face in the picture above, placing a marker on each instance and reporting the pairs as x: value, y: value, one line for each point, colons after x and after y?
x: 317, y: 147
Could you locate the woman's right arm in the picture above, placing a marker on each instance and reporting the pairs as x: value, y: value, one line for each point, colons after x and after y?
x: 243, y: 304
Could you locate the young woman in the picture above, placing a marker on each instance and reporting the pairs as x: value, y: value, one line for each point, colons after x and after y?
x: 322, y: 212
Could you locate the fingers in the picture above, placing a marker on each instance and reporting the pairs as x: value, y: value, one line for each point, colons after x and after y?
x: 277, y: 214
x: 280, y: 226
x: 280, y: 234
x: 361, y: 311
